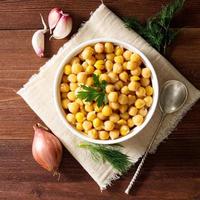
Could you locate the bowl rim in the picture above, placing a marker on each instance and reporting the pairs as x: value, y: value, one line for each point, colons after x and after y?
x: 56, y: 92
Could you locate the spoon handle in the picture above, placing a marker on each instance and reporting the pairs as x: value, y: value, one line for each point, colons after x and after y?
x: 144, y: 157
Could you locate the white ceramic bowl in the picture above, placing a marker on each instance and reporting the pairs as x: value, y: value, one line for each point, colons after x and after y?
x: 58, y: 76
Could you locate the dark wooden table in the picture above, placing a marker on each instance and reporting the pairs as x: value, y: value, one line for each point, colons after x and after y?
x: 173, y: 173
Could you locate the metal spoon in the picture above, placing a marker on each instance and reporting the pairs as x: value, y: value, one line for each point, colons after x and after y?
x: 172, y: 97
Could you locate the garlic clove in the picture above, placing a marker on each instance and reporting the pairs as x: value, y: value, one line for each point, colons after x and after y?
x: 63, y: 27
x: 38, y: 39
x: 53, y: 18
x: 46, y: 149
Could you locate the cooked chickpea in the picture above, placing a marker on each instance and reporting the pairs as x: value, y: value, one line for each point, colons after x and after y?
x: 132, y: 111
x: 77, y: 68
x: 109, y: 88
x: 99, y: 64
x: 97, y: 108
x: 67, y: 69
x: 109, y: 48
x: 79, y: 117
x: 124, y: 66
x: 145, y: 82
x: 113, y: 96
x: 114, y: 134
x: 64, y: 87
x: 65, y: 103
x: 91, y: 116
x: 110, y: 56
x: 103, y: 135
x: 114, y: 105
x: 97, y: 72
x: 71, y: 118
x: 127, y: 55
x: 97, y: 123
x: 113, y: 77
x: 118, y: 85
x: 136, y: 58
x: 136, y: 72
x: 65, y: 79
x: 138, y: 120
x: 107, y: 111
x: 123, y: 99
x: 146, y: 72
x: 100, y: 56
x: 93, y: 134
x: 91, y: 60
x: 124, y: 130
x: 117, y: 68
x: 135, y: 78
x: 80, y: 102
x: 114, y: 118
x: 131, y: 99
x: 130, y: 123
x: 85, y: 65
x: 87, y: 125
x: 125, y: 90
x: 89, y: 108
x: 124, y: 115
x: 141, y: 92
x: 73, y: 107
x: 72, y: 78
x: 82, y: 77
x: 99, y: 48
x: 123, y: 108
x: 122, y: 122
x: 139, y: 103
x: 75, y: 60
x: 89, y: 81
x: 73, y: 86
x: 119, y: 50
x: 90, y: 69
x: 87, y: 53
x: 131, y: 65
x: 148, y: 101
x: 104, y: 77
x: 109, y: 125
x: 64, y: 95
x: 109, y: 65
x: 133, y: 86
x: 143, y: 111
x: 149, y: 90
x: 79, y: 126
x: 119, y: 59
x: 71, y: 96
x: 101, y: 116
x: 124, y: 76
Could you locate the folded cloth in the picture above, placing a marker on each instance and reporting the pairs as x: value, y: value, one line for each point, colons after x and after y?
x: 38, y: 94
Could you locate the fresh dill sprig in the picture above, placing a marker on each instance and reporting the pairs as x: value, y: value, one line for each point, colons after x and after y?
x: 109, y: 153
x: 96, y: 93
x: 157, y: 29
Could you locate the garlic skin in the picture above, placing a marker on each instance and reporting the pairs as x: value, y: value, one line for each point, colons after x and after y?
x: 53, y: 18
x: 46, y: 149
x: 63, y: 27
x: 38, y: 39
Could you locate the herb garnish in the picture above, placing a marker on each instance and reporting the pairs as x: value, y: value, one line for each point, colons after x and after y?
x: 109, y: 153
x: 157, y: 29
x: 96, y: 93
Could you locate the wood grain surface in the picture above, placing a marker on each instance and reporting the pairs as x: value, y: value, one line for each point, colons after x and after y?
x: 173, y: 173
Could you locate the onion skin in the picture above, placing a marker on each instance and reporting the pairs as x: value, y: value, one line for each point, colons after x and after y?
x: 46, y: 149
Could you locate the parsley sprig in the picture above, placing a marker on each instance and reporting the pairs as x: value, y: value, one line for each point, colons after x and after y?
x: 109, y: 153
x: 96, y: 93
x: 157, y: 29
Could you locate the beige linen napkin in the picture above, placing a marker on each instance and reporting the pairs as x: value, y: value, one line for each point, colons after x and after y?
x: 38, y: 94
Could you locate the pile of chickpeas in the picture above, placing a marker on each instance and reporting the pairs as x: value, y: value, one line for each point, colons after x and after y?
x: 129, y: 91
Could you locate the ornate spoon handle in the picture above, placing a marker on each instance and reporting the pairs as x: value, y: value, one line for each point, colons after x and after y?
x: 144, y: 157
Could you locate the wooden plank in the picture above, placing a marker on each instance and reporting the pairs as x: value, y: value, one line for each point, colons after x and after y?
x: 25, y: 14
x: 167, y: 175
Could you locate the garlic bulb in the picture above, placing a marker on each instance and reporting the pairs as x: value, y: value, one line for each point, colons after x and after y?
x: 63, y: 27
x: 53, y: 18
x: 46, y: 149
x: 38, y: 40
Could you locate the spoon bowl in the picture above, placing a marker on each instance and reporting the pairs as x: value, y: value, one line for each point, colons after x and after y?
x: 173, y: 96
